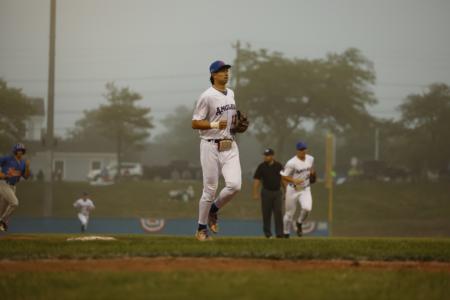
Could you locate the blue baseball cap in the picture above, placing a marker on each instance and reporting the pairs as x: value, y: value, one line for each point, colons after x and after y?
x: 217, y: 66
x: 301, y: 145
x: 19, y: 147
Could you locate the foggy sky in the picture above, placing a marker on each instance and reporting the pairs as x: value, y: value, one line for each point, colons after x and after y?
x: 162, y: 49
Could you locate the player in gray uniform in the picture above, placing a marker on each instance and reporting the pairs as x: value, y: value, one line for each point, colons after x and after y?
x: 12, y: 169
x: 214, y: 116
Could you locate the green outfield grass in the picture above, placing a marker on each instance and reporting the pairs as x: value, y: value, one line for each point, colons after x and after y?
x: 26, y: 247
x: 312, y: 284
x: 326, y: 282
x: 360, y: 208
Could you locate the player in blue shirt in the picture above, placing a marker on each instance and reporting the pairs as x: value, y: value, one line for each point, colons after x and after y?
x: 12, y: 169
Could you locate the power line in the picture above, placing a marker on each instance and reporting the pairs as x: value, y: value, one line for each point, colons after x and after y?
x: 84, y: 94
x: 401, y: 84
x: 77, y: 111
x: 182, y: 76
x: 152, y: 77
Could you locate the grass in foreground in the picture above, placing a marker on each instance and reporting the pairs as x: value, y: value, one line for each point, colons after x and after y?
x: 313, y: 284
x: 25, y: 247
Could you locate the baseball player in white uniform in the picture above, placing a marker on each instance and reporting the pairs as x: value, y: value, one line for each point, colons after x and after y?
x: 214, y: 116
x: 84, y: 206
x: 297, y: 173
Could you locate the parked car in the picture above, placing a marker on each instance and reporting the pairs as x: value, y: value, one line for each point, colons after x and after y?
x: 128, y: 170
x: 380, y: 170
x: 175, y: 170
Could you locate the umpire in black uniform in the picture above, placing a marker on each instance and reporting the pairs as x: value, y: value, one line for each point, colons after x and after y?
x: 268, y: 172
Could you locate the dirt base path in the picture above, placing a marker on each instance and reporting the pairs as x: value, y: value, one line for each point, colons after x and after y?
x: 167, y: 264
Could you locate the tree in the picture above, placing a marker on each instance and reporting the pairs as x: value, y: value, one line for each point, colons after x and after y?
x: 120, y: 121
x: 178, y: 139
x: 426, y: 119
x: 281, y: 95
x: 15, y: 110
x: 395, y: 144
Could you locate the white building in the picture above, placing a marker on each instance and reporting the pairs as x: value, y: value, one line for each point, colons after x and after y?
x: 71, y: 161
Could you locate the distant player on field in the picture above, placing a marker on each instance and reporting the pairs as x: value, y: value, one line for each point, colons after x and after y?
x: 84, y: 206
x: 215, y: 116
x: 12, y: 169
x: 268, y: 173
x: 299, y: 174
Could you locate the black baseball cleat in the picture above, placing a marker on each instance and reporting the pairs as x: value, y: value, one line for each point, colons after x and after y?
x: 299, y: 229
x: 212, y: 222
x: 3, y: 226
x: 286, y: 235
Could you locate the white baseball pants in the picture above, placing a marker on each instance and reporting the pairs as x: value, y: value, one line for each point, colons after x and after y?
x: 84, y: 219
x: 293, y: 196
x: 213, y: 164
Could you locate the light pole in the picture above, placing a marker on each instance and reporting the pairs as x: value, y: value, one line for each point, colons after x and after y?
x: 48, y: 201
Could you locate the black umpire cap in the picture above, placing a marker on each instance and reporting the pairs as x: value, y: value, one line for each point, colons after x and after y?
x: 269, y: 151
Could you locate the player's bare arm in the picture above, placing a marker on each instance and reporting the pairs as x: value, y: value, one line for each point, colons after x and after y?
x: 205, y: 124
x: 27, y: 169
x: 256, y: 184
x: 290, y: 179
x: 284, y: 184
x: 14, y: 173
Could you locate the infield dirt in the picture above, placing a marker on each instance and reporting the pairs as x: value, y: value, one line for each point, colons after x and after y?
x: 163, y: 264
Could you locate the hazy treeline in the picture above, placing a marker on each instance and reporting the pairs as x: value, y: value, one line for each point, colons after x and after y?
x: 287, y: 99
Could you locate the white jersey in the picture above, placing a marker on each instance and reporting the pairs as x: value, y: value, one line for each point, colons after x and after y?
x: 84, y: 206
x: 214, y: 106
x: 299, y: 169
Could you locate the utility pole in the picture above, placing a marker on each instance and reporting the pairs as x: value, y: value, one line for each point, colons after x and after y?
x: 236, y: 65
x: 48, y: 202
x: 377, y: 144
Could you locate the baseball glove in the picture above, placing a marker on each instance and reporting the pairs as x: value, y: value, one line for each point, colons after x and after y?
x: 241, y: 123
x: 312, y: 177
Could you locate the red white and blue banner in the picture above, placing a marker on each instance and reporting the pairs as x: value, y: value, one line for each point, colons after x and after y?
x: 228, y: 227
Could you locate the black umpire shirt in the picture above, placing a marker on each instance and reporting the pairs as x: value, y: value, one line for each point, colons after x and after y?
x: 270, y: 176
